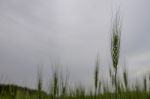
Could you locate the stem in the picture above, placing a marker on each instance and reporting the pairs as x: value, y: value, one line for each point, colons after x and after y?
x: 95, y: 93
x: 116, y: 84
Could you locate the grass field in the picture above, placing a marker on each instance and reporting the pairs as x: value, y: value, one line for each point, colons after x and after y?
x: 60, y: 89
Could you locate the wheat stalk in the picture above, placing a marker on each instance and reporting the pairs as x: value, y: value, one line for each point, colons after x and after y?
x: 115, y: 43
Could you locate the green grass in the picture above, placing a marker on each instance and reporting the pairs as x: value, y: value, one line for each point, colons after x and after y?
x: 60, y: 90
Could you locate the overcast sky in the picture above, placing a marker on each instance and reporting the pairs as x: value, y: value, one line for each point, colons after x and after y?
x: 71, y: 33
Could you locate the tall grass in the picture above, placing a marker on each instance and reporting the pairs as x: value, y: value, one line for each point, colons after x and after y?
x: 54, y: 88
x: 39, y: 84
x: 125, y: 77
x: 115, y: 44
x: 64, y: 86
x: 96, y: 75
x: 60, y: 89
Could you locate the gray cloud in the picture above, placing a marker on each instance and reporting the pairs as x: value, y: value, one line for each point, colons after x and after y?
x: 69, y: 31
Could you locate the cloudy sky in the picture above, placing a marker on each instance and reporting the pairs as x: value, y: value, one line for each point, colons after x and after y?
x: 71, y: 33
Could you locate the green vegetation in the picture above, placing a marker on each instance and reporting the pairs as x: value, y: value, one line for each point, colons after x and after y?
x: 39, y: 85
x: 96, y: 76
x: 115, y: 46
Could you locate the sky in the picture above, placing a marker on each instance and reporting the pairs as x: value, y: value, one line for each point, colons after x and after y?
x: 70, y: 33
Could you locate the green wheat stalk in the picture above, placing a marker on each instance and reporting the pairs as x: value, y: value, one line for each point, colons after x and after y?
x: 96, y: 75
x: 115, y: 44
x: 39, y: 85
